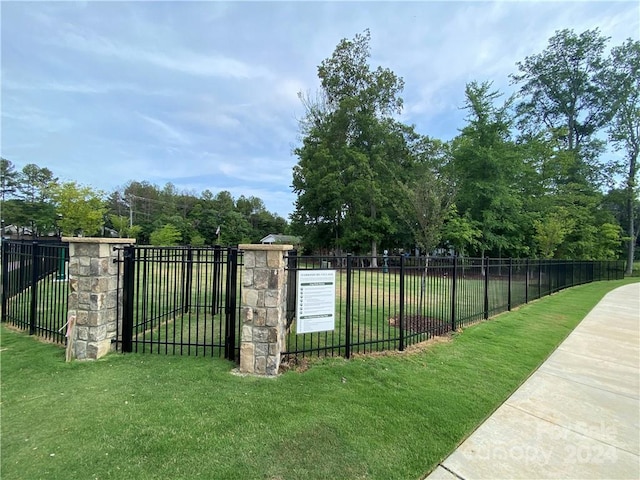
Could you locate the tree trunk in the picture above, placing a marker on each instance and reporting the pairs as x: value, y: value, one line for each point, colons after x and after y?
x: 374, y: 244
x: 633, y: 235
x: 632, y: 238
x: 374, y: 254
x: 423, y: 285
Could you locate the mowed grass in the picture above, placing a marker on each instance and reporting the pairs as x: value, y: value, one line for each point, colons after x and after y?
x: 157, y: 417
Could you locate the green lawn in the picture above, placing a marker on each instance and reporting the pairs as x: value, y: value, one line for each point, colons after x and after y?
x: 159, y: 417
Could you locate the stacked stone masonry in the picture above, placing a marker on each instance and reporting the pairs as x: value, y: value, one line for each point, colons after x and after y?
x: 93, y: 308
x: 264, y: 297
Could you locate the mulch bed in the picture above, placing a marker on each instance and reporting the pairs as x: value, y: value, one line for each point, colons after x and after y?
x: 422, y: 324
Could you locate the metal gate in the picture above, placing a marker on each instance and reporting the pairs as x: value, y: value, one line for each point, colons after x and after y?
x: 181, y: 300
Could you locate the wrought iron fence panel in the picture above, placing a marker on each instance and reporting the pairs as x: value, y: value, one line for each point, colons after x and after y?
x: 35, y: 287
x: 392, y: 302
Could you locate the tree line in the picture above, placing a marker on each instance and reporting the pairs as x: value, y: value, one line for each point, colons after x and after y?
x: 38, y: 204
x: 550, y: 171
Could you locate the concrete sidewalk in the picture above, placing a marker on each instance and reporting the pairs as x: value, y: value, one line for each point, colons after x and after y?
x: 577, y: 416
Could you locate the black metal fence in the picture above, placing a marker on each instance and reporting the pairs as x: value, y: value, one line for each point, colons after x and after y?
x: 35, y: 287
x: 405, y: 300
x: 181, y: 300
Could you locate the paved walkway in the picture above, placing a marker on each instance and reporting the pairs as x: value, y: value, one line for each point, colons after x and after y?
x: 577, y: 416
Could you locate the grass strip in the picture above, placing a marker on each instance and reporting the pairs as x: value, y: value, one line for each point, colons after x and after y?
x: 380, y: 417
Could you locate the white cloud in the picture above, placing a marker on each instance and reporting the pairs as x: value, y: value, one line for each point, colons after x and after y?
x: 205, y: 93
x: 165, y: 131
x: 212, y: 64
x: 37, y: 119
x: 258, y: 170
x: 86, y: 87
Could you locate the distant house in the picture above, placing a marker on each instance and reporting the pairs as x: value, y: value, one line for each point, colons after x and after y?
x: 281, y: 239
x: 15, y: 232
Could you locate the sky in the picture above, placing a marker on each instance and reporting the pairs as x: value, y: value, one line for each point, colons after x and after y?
x: 205, y: 94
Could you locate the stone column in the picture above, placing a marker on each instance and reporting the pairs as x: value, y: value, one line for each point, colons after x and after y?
x: 264, y: 298
x: 93, y: 308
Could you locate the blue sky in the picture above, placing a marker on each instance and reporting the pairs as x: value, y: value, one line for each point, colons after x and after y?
x: 204, y: 94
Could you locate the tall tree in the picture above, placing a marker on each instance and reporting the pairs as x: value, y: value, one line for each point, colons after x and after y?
x: 562, y: 90
x: 624, y: 130
x: 34, y: 190
x: 8, y: 184
x: 341, y: 175
x: 8, y: 178
x: 426, y: 192
x: 261, y: 220
x: 36, y: 183
x: 488, y: 168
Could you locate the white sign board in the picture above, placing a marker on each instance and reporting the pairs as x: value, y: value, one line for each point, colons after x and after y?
x: 316, y: 301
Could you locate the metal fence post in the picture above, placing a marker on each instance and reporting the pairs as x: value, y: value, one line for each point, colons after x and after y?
x: 23, y: 281
x: 485, y: 262
x: 5, y: 279
x: 128, y: 298
x: 526, y: 283
x: 35, y: 273
x: 217, y: 268
x: 347, y: 318
x: 401, y: 312
x: 539, y: 278
x: 573, y: 268
x: 187, y: 273
x: 231, y: 303
x: 621, y: 270
x: 62, y: 256
x: 509, y: 289
x: 292, y: 276
x: 453, y: 293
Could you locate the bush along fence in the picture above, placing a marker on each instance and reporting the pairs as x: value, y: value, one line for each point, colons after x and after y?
x: 95, y: 295
x: 406, y: 300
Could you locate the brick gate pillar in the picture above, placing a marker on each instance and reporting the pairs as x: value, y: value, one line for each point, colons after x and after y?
x: 93, y: 307
x: 264, y: 296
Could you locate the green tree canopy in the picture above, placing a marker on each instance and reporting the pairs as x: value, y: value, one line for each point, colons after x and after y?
x: 562, y: 89
x: 82, y: 210
x: 166, y: 236
x: 342, y: 178
x: 624, y: 130
x: 489, y: 170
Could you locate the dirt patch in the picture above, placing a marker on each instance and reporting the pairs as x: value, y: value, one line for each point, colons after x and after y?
x: 422, y: 324
x: 410, y: 350
x: 438, y: 331
x: 298, y: 364
x: 302, y: 364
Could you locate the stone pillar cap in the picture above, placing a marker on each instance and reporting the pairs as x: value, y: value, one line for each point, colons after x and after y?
x: 265, y: 247
x: 98, y: 240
